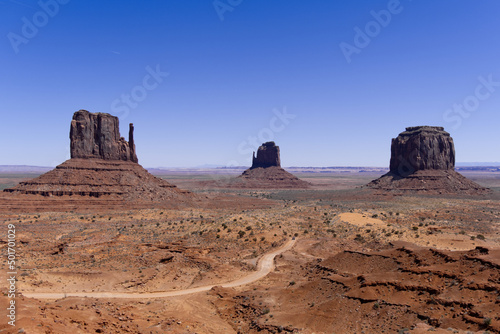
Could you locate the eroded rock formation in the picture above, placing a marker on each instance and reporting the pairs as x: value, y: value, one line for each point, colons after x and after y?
x: 268, y: 155
x: 423, y: 160
x: 422, y: 148
x: 98, y: 136
x: 102, y: 164
x: 266, y: 171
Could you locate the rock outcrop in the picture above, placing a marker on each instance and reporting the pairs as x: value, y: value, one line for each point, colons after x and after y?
x: 423, y: 160
x: 98, y: 136
x: 100, y: 178
x: 102, y: 164
x: 269, y: 178
x: 268, y: 155
x: 422, y: 148
x: 266, y: 171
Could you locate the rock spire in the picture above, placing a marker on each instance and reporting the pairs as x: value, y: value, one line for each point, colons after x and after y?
x: 97, y: 135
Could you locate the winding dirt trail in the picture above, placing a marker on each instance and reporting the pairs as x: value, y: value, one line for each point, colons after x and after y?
x: 264, y: 267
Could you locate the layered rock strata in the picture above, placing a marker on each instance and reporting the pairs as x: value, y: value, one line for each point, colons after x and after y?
x: 266, y: 171
x: 423, y: 160
x: 102, y: 164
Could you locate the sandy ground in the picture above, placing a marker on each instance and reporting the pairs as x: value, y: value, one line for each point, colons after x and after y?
x: 361, y: 264
x: 264, y: 267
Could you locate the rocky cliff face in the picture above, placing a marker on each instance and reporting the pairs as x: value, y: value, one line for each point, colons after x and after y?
x: 422, y: 148
x: 98, y: 136
x: 266, y: 172
x: 102, y: 165
x: 423, y: 161
x: 268, y: 155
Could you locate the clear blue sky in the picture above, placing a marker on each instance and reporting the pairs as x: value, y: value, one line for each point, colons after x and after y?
x: 233, y: 64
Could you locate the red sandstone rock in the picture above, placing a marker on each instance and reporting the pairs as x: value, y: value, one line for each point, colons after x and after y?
x: 270, y: 177
x: 102, y: 164
x: 422, y: 148
x: 266, y: 171
x: 268, y: 155
x: 98, y: 136
x: 423, y: 160
x: 99, y: 177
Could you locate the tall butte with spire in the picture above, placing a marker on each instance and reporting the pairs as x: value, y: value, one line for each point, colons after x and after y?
x: 423, y: 160
x: 97, y: 136
x: 102, y: 164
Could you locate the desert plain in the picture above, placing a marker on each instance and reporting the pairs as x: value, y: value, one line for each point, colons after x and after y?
x: 341, y: 258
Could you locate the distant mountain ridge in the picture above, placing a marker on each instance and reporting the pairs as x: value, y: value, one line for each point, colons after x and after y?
x: 160, y: 170
x: 24, y: 169
x: 477, y: 164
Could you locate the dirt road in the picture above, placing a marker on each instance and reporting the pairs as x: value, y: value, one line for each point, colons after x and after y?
x: 264, y: 267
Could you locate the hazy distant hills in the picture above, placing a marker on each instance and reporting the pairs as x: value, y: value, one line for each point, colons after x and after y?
x: 477, y: 164
x: 487, y: 166
x: 24, y: 169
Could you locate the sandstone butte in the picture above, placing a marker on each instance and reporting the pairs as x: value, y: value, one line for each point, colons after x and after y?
x: 266, y: 171
x: 423, y: 161
x: 102, y: 164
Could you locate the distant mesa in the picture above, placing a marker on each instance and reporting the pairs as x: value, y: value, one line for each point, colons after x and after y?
x: 266, y: 171
x: 102, y: 163
x: 423, y: 160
